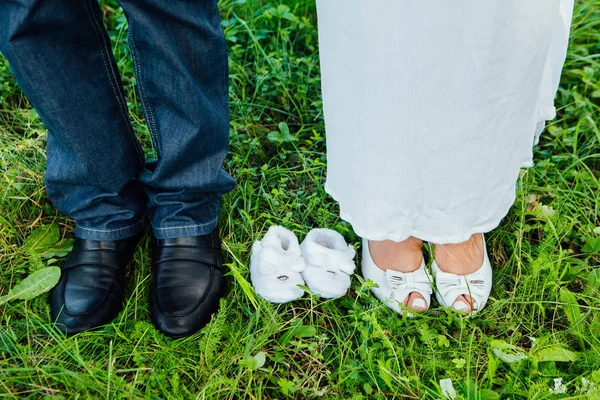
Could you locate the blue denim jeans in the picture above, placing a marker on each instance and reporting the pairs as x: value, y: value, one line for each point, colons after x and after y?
x: 96, y: 174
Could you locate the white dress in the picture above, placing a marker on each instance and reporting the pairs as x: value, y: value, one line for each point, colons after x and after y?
x: 433, y: 106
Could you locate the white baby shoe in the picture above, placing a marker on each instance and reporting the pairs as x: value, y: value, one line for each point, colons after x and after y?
x: 275, y: 266
x: 329, y: 263
x: 477, y: 285
x: 394, y: 287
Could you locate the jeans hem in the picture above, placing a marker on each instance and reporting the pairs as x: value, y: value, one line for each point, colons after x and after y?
x: 185, y: 230
x: 109, y: 234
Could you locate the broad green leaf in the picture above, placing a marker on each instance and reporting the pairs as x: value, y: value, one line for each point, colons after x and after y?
x: 285, y: 133
x: 554, y: 353
x: 488, y: 394
x: 287, y: 336
x: 443, y: 341
x: 507, y: 352
x: 546, y: 211
x: 283, y: 136
x: 259, y: 359
x: 255, y: 362
x: 596, y: 376
x: 592, y: 245
x: 593, y: 281
x: 41, y: 239
x: 35, y: 284
x: 274, y: 137
x: 289, y: 138
x: 284, y: 128
x: 571, y: 307
x: 61, y: 249
x: 305, y: 331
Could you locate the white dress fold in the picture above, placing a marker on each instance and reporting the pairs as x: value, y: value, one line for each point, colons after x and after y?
x: 433, y: 106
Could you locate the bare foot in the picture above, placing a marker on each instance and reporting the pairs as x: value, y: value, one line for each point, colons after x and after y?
x: 461, y: 259
x: 403, y: 256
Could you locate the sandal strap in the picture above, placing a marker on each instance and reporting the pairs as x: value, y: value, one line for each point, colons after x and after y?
x: 405, y: 283
x: 451, y: 286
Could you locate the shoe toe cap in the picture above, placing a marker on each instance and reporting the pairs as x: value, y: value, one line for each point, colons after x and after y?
x: 79, y: 304
x: 181, y: 326
x: 182, y: 308
x: 87, y: 288
x: 73, y: 324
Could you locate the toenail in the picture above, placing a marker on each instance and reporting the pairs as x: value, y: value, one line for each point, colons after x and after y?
x: 460, y: 305
x: 418, y: 303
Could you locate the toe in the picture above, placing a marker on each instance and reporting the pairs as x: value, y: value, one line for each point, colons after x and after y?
x: 464, y: 303
x: 416, y: 302
x: 471, y: 302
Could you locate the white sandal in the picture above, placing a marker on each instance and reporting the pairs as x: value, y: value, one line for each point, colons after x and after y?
x: 394, y: 286
x: 329, y: 263
x: 478, y: 285
x: 276, y: 265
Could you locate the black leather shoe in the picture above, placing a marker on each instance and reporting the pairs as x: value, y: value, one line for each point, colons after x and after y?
x: 187, y: 283
x: 91, y: 287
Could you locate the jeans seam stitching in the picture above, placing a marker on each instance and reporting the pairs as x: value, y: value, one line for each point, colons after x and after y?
x: 144, y: 99
x: 187, y: 226
x: 109, y: 230
x: 112, y: 79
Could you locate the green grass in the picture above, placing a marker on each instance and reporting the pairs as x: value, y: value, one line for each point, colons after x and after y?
x: 541, y: 323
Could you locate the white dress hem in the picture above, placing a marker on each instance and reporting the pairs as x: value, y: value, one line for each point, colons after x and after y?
x: 425, y: 236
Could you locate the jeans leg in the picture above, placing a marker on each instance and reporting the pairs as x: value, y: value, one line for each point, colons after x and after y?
x: 61, y: 56
x: 180, y: 59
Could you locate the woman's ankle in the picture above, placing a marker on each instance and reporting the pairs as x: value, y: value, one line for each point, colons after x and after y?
x: 405, y: 256
x: 462, y: 258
